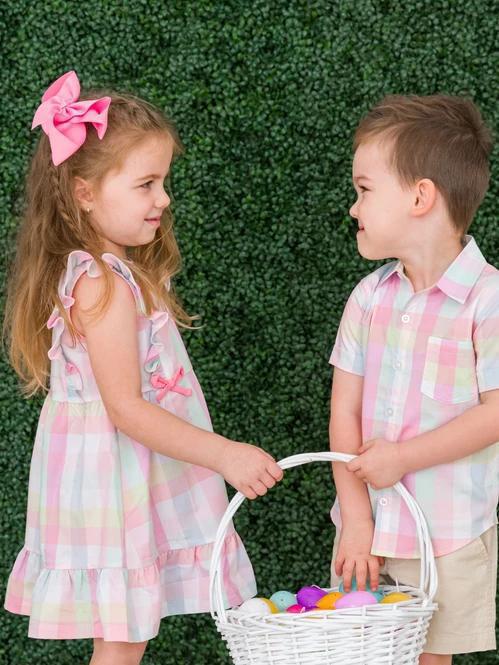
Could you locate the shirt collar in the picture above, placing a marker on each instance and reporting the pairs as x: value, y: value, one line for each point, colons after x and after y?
x: 459, y: 278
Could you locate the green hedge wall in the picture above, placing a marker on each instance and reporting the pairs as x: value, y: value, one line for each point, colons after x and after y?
x: 266, y: 95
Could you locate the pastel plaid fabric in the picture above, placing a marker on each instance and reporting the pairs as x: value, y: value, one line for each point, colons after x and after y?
x: 425, y: 358
x: 118, y: 536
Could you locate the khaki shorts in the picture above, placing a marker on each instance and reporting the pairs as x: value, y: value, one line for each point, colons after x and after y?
x: 467, y: 583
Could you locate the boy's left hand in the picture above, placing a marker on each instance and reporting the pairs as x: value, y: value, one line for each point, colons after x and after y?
x: 379, y: 463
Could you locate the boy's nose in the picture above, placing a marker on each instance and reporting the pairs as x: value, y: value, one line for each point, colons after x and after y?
x: 353, y: 210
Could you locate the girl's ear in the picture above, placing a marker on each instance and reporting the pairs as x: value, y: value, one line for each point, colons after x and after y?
x: 83, y: 192
x: 425, y: 194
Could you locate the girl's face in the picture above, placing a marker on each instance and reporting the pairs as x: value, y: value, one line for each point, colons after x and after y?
x: 127, y: 208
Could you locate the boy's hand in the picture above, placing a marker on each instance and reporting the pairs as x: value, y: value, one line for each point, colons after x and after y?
x: 354, y: 556
x: 379, y: 463
x: 249, y: 469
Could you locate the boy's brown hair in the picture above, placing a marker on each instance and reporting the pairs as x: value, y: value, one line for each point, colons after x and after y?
x: 439, y: 137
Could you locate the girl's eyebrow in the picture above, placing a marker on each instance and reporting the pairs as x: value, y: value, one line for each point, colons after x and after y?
x: 151, y: 176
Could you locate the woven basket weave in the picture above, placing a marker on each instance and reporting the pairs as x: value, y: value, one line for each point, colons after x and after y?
x: 382, y: 634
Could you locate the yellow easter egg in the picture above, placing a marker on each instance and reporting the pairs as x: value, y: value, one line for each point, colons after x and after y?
x: 328, y: 601
x: 273, y: 607
x: 395, y: 597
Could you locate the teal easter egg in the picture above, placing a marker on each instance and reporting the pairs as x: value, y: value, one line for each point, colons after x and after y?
x: 354, y: 586
x: 283, y: 599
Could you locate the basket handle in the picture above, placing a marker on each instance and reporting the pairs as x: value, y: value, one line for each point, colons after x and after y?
x: 428, y: 572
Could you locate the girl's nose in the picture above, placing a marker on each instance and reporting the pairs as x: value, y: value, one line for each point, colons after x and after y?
x: 163, y: 201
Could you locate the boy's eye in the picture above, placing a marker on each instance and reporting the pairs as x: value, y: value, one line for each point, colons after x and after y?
x: 363, y: 189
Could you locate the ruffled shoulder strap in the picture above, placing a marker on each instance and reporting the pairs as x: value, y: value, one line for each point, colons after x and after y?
x: 79, y: 262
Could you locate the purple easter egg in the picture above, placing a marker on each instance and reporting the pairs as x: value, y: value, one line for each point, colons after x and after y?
x: 309, y: 595
x: 296, y: 609
x: 355, y: 599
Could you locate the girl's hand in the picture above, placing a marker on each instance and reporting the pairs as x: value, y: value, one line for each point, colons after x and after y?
x: 354, y: 556
x: 249, y: 469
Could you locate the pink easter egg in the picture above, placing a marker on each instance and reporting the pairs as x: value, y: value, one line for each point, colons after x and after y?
x: 355, y: 599
x: 296, y: 609
x: 309, y: 595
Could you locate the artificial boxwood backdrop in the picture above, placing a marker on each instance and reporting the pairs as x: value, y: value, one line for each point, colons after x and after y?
x: 266, y: 95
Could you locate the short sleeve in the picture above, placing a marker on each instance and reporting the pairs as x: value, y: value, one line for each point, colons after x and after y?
x: 78, y: 263
x: 486, y: 338
x: 349, y: 348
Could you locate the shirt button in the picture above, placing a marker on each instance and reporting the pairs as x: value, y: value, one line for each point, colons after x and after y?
x: 405, y: 318
x: 398, y: 365
x: 389, y: 412
x: 383, y: 501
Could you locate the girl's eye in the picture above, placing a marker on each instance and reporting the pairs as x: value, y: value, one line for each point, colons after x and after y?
x: 146, y: 184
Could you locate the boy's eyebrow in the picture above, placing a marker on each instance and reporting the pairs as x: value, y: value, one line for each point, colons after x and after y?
x: 361, y: 177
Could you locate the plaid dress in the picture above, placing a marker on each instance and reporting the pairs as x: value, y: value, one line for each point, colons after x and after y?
x: 117, y: 535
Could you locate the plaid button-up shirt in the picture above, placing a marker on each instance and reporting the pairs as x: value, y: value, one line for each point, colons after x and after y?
x: 425, y: 358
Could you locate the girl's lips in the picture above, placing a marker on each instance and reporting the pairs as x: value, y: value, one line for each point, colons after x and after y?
x: 155, y: 221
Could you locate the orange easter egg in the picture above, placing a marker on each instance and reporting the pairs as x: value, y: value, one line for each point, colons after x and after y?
x: 328, y: 601
x: 395, y: 597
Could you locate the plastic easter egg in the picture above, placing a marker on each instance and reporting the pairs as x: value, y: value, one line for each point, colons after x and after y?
x: 354, y: 586
x: 328, y: 601
x: 273, y: 607
x: 260, y: 606
x: 309, y: 595
x: 355, y: 599
x: 379, y: 595
x: 395, y: 597
x: 296, y: 609
x: 283, y: 599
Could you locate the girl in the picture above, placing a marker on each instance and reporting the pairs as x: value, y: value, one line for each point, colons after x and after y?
x: 126, y: 484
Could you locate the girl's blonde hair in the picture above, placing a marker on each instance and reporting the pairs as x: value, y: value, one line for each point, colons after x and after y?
x: 53, y: 225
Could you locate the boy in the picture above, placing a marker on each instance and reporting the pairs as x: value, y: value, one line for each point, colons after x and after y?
x: 416, y: 380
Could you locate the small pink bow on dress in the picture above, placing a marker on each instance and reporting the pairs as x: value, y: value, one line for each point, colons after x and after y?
x: 163, y: 385
x: 63, y: 117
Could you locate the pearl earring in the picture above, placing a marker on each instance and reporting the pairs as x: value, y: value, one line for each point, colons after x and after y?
x: 88, y: 209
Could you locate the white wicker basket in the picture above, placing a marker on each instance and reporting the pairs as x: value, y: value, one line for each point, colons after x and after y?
x: 382, y: 634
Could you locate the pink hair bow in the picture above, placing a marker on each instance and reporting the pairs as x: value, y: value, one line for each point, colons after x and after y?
x: 63, y: 117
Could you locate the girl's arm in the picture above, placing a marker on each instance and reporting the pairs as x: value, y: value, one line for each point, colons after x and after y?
x: 345, y: 432
x: 112, y: 344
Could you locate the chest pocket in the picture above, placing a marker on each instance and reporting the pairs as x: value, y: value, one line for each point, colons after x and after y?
x: 449, y: 373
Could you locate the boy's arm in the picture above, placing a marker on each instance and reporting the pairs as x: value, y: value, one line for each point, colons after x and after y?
x: 470, y: 432
x: 354, y: 552
x: 382, y: 463
x: 345, y: 436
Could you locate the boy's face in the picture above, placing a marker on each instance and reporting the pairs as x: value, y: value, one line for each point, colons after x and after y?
x: 382, y: 207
